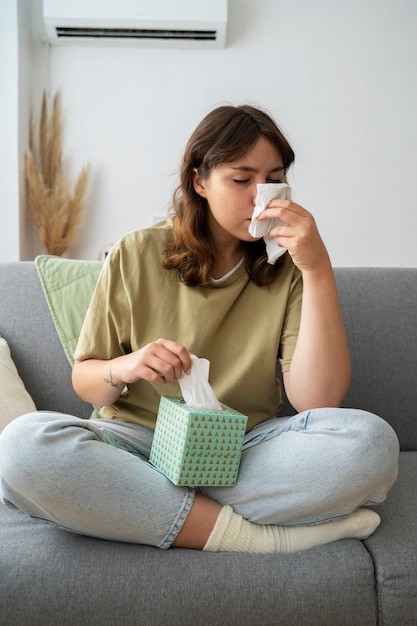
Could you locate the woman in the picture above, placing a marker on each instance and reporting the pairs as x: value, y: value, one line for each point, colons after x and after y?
x: 201, y: 284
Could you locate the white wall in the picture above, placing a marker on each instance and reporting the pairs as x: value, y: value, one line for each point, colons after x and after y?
x: 340, y: 77
x: 24, y: 73
x: 34, y: 72
x: 9, y: 183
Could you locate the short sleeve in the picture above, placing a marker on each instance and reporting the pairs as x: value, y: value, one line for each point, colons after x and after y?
x: 105, y: 333
x: 291, y: 324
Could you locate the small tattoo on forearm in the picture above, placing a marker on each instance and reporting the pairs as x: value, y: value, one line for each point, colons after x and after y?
x: 111, y: 382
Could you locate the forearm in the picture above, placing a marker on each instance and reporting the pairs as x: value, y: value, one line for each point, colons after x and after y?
x: 320, y: 368
x: 95, y: 381
x: 101, y: 382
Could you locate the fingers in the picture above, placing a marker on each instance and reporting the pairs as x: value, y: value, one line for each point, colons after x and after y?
x: 285, y: 210
x: 296, y: 222
x: 162, y: 361
x: 169, y: 359
x: 299, y: 233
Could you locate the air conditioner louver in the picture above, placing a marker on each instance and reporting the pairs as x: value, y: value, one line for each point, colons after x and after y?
x: 136, y: 33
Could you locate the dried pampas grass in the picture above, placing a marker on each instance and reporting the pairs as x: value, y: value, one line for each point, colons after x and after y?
x: 56, y: 212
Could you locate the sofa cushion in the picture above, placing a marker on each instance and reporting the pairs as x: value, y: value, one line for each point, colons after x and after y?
x: 379, y: 308
x: 393, y: 548
x: 68, y: 285
x: 50, y: 576
x: 14, y: 398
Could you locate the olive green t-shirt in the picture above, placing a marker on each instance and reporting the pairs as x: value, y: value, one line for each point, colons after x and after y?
x: 241, y: 328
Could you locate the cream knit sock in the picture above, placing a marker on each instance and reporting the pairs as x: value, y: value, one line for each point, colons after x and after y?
x: 232, y: 533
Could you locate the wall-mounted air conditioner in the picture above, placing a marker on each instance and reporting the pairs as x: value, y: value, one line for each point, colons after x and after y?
x: 171, y: 23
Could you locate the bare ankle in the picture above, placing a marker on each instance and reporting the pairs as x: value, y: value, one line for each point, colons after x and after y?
x: 199, y: 524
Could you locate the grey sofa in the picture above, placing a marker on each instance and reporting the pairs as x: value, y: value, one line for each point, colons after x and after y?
x: 52, y: 577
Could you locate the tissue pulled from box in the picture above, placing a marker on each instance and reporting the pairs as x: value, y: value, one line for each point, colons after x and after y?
x: 260, y: 228
x: 195, y: 388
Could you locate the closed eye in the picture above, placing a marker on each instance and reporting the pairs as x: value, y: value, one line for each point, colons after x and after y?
x: 243, y: 181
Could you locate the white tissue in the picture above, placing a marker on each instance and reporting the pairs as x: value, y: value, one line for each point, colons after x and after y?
x: 195, y: 388
x: 260, y: 228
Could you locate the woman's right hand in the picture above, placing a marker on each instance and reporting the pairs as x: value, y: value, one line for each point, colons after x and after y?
x: 159, y: 362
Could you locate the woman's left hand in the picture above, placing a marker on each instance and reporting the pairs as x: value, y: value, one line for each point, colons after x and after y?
x: 299, y: 236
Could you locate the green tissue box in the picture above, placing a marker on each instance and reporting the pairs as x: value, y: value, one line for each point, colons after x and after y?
x: 197, y: 447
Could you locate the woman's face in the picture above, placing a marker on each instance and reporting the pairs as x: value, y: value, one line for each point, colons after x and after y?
x: 230, y: 190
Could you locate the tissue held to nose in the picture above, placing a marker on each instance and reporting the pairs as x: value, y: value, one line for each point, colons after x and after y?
x: 260, y: 228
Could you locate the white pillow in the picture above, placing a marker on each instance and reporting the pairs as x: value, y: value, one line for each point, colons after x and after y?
x: 14, y: 398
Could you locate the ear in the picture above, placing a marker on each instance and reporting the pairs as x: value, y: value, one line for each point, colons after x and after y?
x: 199, y: 183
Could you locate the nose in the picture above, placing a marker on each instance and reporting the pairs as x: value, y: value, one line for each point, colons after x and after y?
x: 254, y: 191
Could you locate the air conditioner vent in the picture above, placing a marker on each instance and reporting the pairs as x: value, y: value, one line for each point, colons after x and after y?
x: 136, y: 33
x: 136, y: 23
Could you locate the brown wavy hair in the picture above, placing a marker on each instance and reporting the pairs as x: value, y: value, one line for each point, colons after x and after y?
x: 223, y: 136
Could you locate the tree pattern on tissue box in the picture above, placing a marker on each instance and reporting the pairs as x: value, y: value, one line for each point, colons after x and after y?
x: 195, y: 447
